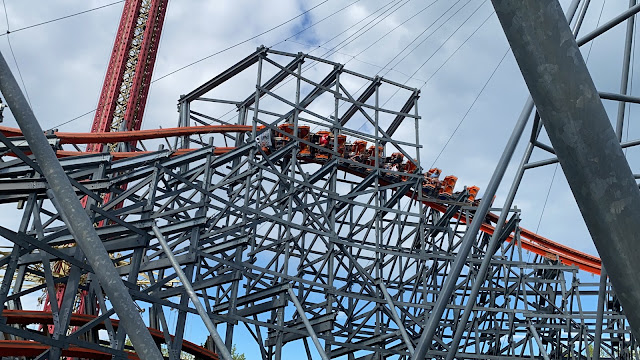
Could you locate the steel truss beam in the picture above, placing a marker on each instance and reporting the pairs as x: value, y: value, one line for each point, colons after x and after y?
x: 342, y: 257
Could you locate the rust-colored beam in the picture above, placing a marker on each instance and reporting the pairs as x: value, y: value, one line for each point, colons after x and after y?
x: 31, y: 349
x: 27, y: 317
x: 125, y: 136
x: 530, y: 240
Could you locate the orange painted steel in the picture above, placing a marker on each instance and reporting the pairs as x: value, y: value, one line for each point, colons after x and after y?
x: 27, y: 317
x: 130, y: 154
x: 540, y: 245
x: 529, y: 240
x: 124, y: 136
x: 31, y: 349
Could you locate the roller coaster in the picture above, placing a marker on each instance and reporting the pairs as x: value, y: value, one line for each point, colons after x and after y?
x: 362, y: 240
x: 297, y: 211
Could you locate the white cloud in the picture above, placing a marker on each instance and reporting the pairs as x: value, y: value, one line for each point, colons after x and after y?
x: 63, y: 65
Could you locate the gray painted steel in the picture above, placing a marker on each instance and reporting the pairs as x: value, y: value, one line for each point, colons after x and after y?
x: 75, y: 217
x: 582, y: 137
x: 186, y: 282
x: 364, y: 251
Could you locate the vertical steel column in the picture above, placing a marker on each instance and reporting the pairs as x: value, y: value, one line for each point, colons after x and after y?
x: 581, y: 135
x: 583, y: 12
x: 378, y: 228
x: 467, y: 242
x: 420, y: 193
x: 602, y: 291
x: 77, y: 219
x: 184, y: 107
x: 331, y: 261
x: 493, y: 242
x: 624, y: 81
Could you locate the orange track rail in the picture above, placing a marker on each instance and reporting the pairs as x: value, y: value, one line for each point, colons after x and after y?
x: 529, y: 240
x: 30, y: 348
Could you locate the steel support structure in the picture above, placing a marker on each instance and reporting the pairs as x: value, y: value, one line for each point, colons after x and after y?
x: 66, y: 202
x: 342, y: 256
x: 582, y: 136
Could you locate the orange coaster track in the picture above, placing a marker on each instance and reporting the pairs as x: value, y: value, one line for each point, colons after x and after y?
x: 530, y: 241
x: 30, y: 348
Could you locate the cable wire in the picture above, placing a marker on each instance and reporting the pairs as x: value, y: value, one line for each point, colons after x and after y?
x: 414, y: 40
x: 357, y: 33
x: 471, y: 107
x: 325, y: 55
x: 342, y: 44
x: 458, y: 48
x: 316, y: 23
x: 412, y: 76
x: 74, y: 119
x: 320, y: 46
x: 448, y: 38
x: 597, y: 24
x: 237, y: 44
x: 381, y: 17
x: 364, y: 123
x: 207, y: 57
x: 544, y: 206
x: 395, y: 28
x: 359, y: 60
x: 13, y: 54
x: 62, y: 18
x: 440, y: 47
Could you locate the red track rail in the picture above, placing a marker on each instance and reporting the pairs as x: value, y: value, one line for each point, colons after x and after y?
x: 529, y: 240
x: 30, y: 348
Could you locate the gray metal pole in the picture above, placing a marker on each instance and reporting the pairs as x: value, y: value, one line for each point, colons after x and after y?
x: 184, y: 109
x: 533, y: 331
x: 186, y: 282
x: 582, y: 136
x: 396, y: 318
x: 602, y: 290
x: 493, y: 242
x: 624, y: 81
x: 486, y: 261
x: 78, y: 220
x: 467, y: 242
x: 307, y: 324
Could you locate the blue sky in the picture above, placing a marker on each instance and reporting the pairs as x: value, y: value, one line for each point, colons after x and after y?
x: 63, y: 65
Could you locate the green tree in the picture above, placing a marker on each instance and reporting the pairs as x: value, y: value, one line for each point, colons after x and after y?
x: 235, y: 355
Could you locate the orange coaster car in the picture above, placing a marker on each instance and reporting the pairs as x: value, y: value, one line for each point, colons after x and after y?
x: 448, y: 184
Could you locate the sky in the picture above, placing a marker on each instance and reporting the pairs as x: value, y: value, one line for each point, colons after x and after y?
x: 469, y: 105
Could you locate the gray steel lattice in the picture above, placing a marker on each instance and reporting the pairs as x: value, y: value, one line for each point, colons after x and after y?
x: 364, y: 251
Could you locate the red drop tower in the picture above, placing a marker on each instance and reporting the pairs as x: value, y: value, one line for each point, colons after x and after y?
x: 126, y: 84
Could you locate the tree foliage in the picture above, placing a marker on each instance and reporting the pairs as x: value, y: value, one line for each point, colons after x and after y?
x: 235, y: 355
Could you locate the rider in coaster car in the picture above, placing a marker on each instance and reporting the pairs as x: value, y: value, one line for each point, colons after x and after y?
x: 324, y: 140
